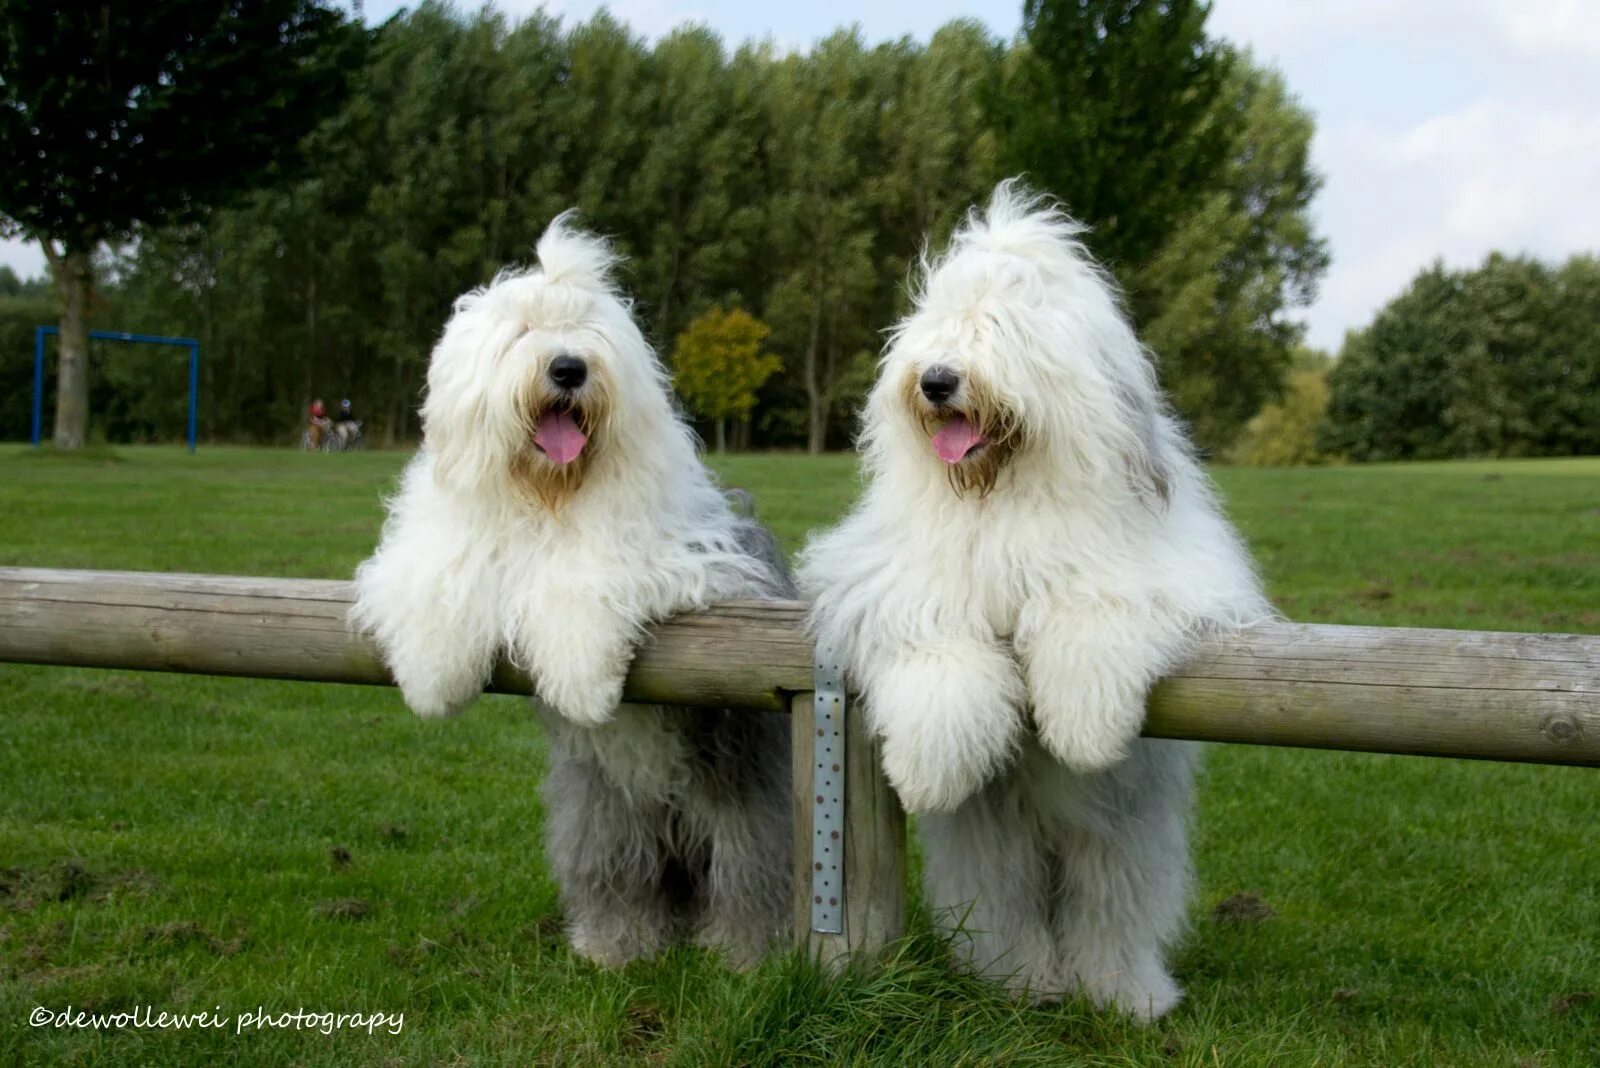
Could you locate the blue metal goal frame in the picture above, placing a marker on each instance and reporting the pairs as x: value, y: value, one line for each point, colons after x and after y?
x: 42, y: 332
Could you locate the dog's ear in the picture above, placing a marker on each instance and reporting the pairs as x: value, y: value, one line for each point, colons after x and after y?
x: 455, y: 408
x: 1149, y: 475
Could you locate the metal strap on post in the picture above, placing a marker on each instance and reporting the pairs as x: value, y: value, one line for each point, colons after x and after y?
x: 827, y: 839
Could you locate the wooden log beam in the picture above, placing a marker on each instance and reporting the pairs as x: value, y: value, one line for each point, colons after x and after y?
x: 1496, y: 696
x: 736, y: 655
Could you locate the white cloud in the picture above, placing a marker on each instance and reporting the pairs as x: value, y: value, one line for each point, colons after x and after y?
x: 1445, y: 130
x: 1492, y: 175
x: 22, y: 256
x: 1553, y: 27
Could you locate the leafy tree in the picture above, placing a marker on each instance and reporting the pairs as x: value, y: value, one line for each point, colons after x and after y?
x: 1284, y: 433
x: 718, y: 365
x: 942, y: 152
x: 681, y: 184
x: 1388, y: 390
x: 1501, y: 360
x: 826, y: 110
x: 1219, y: 293
x: 1111, y: 106
x: 116, y: 115
x: 1498, y: 374
x: 1569, y: 397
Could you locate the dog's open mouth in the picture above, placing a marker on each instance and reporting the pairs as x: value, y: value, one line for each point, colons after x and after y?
x: 958, y: 439
x: 560, y: 434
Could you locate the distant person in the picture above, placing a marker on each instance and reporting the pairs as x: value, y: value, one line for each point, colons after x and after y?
x: 319, y: 424
x: 346, y: 427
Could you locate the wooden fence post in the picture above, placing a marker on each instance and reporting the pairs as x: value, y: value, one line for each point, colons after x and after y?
x: 872, y: 840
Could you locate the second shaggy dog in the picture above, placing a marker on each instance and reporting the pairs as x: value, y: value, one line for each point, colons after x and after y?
x: 1035, y: 547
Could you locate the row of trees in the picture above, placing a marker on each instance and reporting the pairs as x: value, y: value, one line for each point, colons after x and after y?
x: 1498, y: 360
x: 1503, y: 360
x: 798, y: 188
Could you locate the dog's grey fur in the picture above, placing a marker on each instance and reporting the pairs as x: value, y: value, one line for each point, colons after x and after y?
x: 668, y: 821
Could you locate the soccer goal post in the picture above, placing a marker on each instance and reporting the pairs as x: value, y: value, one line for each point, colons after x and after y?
x: 42, y: 332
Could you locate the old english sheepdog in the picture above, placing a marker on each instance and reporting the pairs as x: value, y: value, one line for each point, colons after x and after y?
x: 557, y: 507
x: 1035, y: 547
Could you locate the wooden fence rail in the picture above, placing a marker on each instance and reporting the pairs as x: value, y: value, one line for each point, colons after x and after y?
x: 1495, y: 696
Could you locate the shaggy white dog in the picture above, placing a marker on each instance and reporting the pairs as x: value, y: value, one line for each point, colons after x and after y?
x: 557, y: 506
x: 1035, y: 547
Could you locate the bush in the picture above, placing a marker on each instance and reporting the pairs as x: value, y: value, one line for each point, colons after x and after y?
x: 1284, y: 433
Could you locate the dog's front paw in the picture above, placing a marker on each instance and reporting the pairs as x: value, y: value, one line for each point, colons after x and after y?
x: 434, y: 696
x: 949, y: 721
x: 588, y: 699
x: 1091, y: 727
x: 926, y: 775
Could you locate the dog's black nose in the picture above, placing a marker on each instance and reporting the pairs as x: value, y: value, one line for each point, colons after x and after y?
x: 939, y: 383
x: 568, y: 372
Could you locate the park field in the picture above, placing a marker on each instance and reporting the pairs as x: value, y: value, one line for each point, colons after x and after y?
x: 233, y: 845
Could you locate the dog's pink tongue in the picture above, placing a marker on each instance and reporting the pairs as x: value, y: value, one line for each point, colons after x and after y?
x: 955, y: 439
x: 558, y: 435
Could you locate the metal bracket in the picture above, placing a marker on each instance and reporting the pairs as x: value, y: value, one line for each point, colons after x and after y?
x: 827, y: 780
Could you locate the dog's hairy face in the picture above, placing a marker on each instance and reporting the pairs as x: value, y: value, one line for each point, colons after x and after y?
x: 527, y: 383
x: 970, y: 428
x: 1017, y: 348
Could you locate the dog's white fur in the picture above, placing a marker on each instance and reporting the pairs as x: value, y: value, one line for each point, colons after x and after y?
x: 492, y: 548
x: 1005, y: 638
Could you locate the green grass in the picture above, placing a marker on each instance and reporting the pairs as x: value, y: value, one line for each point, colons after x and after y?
x: 192, y: 843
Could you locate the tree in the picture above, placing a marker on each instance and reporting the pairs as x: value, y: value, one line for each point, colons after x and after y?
x: 941, y: 150
x: 1111, y: 106
x: 1284, y: 433
x: 117, y: 115
x: 825, y: 302
x: 1501, y: 360
x: 718, y: 365
x: 1218, y: 294
x: 1570, y: 396
x: 1389, y: 388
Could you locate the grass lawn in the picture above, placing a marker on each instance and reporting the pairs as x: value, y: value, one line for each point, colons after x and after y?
x: 232, y: 845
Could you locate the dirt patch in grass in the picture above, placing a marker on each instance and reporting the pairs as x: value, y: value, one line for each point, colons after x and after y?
x: 181, y: 933
x: 339, y: 857
x: 68, y: 879
x: 344, y: 908
x: 1245, y: 907
x: 548, y: 928
x: 1567, y: 1002
x: 643, y: 1025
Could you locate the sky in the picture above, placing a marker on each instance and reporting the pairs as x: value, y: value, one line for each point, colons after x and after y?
x: 1445, y: 128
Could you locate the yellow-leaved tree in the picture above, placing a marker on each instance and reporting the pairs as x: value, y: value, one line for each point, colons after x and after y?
x: 718, y: 365
x: 1284, y: 433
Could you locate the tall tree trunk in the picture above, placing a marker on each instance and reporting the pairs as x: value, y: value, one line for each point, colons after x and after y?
x: 393, y: 430
x: 74, y: 273
x: 817, y: 436
x: 722, y: 435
